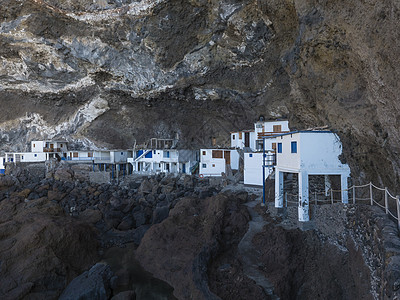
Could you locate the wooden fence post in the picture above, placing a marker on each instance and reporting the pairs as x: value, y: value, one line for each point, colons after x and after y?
x: 386, y: 201
x: 370, y: 193
x: 398, y: 211
x: 354, y: 194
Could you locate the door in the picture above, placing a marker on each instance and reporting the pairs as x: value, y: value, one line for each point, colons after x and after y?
x: 227, y: 155
x: 247, y: 139
x: 184, y: 168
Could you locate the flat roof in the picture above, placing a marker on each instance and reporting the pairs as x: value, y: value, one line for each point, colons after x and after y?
x: 247, y: 130
x: 272, y: 120
x: 299, y: 131
x: 51, y: 141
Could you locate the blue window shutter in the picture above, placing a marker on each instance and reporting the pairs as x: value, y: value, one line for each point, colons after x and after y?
x: 279, y: 147
x: 294, y: 147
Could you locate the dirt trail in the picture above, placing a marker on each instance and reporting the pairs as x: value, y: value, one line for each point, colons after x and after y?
x: 249, y: 254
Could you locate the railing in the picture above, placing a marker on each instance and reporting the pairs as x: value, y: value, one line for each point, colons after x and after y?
x: 386, y: 197
x: 80, y: 158
x: 385, y: 201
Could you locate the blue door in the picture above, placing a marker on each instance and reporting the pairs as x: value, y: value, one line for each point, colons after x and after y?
x: 183, y: 168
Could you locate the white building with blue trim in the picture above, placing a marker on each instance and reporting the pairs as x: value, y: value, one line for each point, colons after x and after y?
x: 154, y: 161
x: 308, y: 153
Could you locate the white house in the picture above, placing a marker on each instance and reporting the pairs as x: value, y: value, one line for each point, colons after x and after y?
x: 253, y: 139
x: 253, y: 167
x: 214, y: 162
x: 28, y: 157
x: 80, y: 155
x: 40, y: 152
x: 265, y: 133
x: 268, y: 129
x: 112, y: 156
x: 243, y: 139
x: 164, y: 161
x: 308, y: 153
x: 2, y: 166
x: 49, y: 146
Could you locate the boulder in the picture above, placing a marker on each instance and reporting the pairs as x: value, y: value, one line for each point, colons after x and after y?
x: 160, y: 214
x: 63, y: 174
x: 91, y: 216
x: 139, y: 217
x: 145, y: 187
x: 126, y: 224
x: 92, y: 284
x: 126, y: 295
x: 139, y: 233
x: 7, y: 181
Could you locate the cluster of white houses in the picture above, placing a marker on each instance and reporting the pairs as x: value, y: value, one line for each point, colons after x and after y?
x: 269, y: 147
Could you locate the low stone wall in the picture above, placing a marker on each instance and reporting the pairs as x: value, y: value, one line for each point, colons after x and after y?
x: 99, y: 177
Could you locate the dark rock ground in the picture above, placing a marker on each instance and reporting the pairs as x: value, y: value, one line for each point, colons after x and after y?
x: 185, y: 232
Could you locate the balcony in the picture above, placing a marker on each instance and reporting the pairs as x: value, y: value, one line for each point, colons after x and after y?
x: 51, y: 149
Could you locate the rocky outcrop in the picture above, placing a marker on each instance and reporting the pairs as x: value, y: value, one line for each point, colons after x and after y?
x: 40, y: 248
x: 179, y: 249
x: 92, y: 284
x: 347, y: 252
x: 52, y: 230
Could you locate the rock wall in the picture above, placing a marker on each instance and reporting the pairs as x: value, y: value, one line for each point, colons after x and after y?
x: 106, y: 73
x: 346, y: 252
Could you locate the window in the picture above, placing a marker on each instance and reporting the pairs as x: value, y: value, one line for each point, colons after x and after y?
x: 204, y: 166
x: 204, y: 152
x: 274, y: 146
x: 166, y: 154
x: 233, y: 137
x: 122, y: 153
x: 277, y: 128
x: 22, y: 157
x: 34, y: 146
x: 279, y: 147
x: 90, y: 154
x: 250, y: 155
x: 213, y: 165
x: 154, y: 151
x: 294, y: 147
x: 60, y: 145
x: 217, y: 154
x: 35, y: 155
x: 75, y: 154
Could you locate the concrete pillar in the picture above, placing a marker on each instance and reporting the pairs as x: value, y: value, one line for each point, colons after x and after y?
x: 344, y: 186
x: 304, y: 215
x: 278, y: 189
x: 327, y: 185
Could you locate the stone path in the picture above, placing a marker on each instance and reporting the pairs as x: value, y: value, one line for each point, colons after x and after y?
x: 249, y: 255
